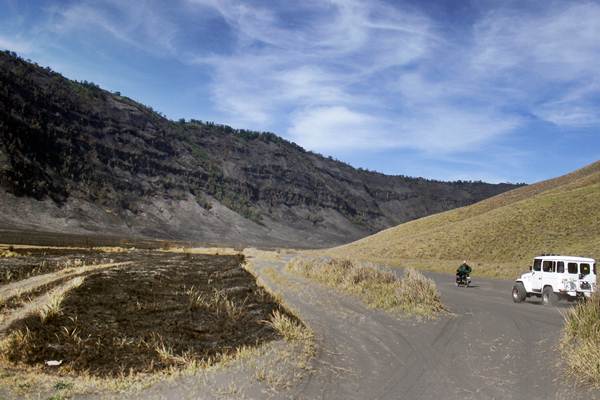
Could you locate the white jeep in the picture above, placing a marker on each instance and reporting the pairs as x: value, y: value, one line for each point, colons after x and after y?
x: 555, y: 277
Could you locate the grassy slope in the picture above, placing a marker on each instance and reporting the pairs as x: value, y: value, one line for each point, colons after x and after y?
x: 499, y: 235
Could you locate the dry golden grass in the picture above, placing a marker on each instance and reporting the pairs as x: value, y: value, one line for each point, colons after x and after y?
x: 218, y: 302
x: 213, y: 251
x: 113, y: 249
x: 499, y: 235
x: 580, y: 344
x: 7, y: 252
x: 52, y: 308
x: 412, y: 294
x: 288, y: 328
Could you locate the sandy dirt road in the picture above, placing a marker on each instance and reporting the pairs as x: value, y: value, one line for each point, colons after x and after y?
x: 26, y: 285
x: 489, y: 348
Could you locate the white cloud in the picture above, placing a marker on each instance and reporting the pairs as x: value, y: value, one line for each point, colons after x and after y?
x: 337, y: 128
x: 439, y: 130
x: 447, y: 129
x: 16, y: 45
x: 140, y: 24
x: 556, y: 42
x: 569, y: 114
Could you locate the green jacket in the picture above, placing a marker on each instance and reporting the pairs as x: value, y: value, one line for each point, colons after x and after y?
x: 464, y: 269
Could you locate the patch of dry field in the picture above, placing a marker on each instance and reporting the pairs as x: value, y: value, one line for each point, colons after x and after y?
x: 126, y: 327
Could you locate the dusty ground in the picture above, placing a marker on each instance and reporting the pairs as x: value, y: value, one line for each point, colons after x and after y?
x: 490, y: 348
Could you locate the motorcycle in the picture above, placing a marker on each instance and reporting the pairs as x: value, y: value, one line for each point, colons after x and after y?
x: 463, y: 280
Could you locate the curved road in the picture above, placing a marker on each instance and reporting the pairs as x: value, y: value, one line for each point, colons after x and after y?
x: 489, y: 348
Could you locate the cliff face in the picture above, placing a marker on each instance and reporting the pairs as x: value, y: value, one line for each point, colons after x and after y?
x: 76, y: 158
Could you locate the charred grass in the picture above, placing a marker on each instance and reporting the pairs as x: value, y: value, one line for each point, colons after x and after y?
x: 168, y: 312
x: 412, y: 294
x: 28, y: 262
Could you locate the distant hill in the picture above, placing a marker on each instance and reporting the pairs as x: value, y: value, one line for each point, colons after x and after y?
x: 77, y: 159
x: 499, y: 235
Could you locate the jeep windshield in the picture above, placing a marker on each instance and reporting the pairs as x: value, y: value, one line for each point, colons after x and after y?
x: 584, y: 268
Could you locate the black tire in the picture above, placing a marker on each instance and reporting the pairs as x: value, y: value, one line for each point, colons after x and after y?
x: 549, y: 297
x: 518, y: 292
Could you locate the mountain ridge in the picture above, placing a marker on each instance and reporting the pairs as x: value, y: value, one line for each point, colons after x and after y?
x: 81, y: 159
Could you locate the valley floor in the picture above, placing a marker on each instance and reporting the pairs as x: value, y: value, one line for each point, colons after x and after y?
x: 487, y: 347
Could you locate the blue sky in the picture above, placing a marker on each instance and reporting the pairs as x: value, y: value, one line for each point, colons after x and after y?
x: 498, y: 91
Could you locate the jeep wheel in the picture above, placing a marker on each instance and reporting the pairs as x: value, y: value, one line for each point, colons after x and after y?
x: 549, y: 297
x: 518, y: 293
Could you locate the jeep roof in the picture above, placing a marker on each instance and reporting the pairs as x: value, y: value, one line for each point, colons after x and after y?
x: 566, y: 258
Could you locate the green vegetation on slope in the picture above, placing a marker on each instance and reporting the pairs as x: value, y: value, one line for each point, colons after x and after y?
x: 499, y: 235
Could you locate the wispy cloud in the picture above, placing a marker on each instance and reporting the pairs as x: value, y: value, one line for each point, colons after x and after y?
x: 548, y: 59
x: 328, y: 128
x: 319, y: 76
x: 435, y: 130
x: 15, y: 44
x: 140, y: 24
x: 367, y: 79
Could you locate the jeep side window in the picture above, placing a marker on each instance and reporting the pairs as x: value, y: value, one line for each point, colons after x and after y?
x: 584, y: 268
x: 572, y: 268
x: 594, y: 268
x: 548, y: 266
x: 560, y: 267
x: 537, y: 265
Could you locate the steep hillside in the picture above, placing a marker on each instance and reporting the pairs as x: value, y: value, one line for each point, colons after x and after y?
x: 499, y: 235
x: 75, y: 158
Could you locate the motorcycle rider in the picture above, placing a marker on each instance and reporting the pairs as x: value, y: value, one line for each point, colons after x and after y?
x: 463, y: 271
